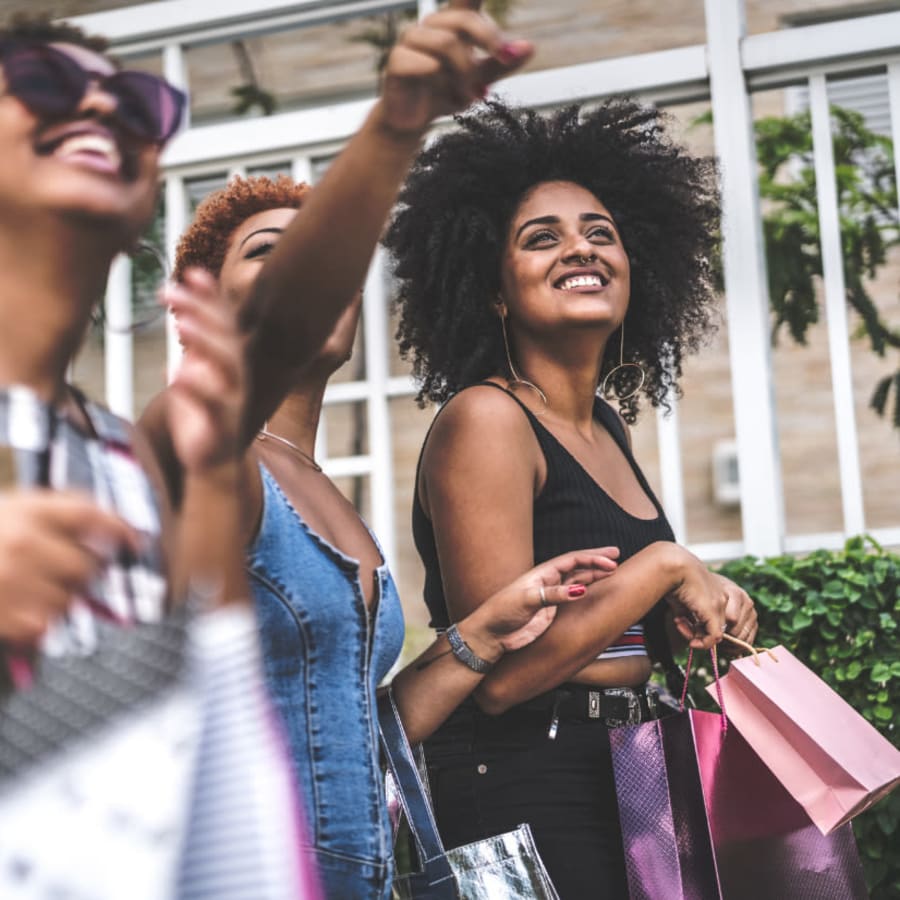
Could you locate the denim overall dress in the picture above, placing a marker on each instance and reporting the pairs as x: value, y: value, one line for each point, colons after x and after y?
x: 324, y: 655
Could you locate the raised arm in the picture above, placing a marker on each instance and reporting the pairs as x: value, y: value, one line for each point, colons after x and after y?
x: 205, y: 407
x: 481, y: 468
x: 438, y: 67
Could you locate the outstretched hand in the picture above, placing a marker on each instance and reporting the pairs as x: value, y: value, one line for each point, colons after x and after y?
x: 442, y: 64
x: 209, y: 392
x: 522, y: 611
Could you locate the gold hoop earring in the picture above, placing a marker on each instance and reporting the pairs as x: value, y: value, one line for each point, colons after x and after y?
x: 517, y: 379
x: 604, y: 385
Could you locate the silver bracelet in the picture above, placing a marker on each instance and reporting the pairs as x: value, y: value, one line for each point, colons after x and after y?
x: 463, y: 652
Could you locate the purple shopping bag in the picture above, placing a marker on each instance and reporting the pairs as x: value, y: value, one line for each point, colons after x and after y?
x: 702, y: 818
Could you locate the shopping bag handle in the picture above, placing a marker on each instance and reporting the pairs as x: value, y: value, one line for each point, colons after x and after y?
x: 414, y: 800
x: 687, y: 675
x: 754, y: 650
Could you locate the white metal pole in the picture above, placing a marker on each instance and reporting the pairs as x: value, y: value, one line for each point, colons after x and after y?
x: 762, y: 513
x: 375, y: 313
x: 671, y: 472
x: 426, y: 8
x: 836, y: 308
x: 893, y: 73
x: 176, y: 216
x: 301, y: 169
x: 118, y: 339
x: 175, y: 72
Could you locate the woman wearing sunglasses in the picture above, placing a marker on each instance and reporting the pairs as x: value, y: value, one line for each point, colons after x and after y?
x: 86, y: 539
x: 80, y: 141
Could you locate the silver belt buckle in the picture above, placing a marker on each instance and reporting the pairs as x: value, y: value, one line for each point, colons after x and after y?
x: 634, y: 707
x: 593, y: 704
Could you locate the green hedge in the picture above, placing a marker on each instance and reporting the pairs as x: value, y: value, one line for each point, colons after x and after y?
x: 838, y: 613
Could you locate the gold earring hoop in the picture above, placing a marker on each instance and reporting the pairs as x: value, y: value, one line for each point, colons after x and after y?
x: 516, y: 378
x: 622, y: 366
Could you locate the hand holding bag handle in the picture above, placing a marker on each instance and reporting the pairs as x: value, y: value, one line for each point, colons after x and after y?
x: 437, y: 880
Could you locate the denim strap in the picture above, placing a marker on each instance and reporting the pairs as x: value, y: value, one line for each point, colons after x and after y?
x: 439, y: 880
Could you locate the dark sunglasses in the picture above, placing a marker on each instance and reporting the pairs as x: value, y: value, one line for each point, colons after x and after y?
x: 52, y: 84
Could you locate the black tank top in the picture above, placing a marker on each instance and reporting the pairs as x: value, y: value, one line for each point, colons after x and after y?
x: 572, y: 512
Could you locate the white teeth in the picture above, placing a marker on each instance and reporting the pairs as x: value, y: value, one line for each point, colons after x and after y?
x: 89, y: 143
x: 581, y: 281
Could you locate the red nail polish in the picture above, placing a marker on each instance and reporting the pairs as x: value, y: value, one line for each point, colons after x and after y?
x: 510, y: 51
x: 576, y: 590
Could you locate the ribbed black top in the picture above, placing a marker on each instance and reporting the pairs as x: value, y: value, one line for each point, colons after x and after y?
x: 572, y: 511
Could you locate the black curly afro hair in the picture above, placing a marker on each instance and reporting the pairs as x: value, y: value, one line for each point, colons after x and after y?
x: 448, y: 235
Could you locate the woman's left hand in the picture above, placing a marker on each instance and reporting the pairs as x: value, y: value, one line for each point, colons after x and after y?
x: 740, y: 612
x: 521, y: 612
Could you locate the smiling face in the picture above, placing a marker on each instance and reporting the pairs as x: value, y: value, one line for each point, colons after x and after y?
x: 82, y: 166
x: 564, y: 262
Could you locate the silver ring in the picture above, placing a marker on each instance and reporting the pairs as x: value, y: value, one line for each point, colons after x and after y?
x: 543, y: 597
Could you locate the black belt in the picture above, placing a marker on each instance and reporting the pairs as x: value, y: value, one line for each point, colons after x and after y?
x: 613, y: 706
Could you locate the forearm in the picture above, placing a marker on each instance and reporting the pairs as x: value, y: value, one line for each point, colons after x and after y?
x: 583, y: 630
x: 321, y: 260
x: 210, y: 556
x: 431, y: 687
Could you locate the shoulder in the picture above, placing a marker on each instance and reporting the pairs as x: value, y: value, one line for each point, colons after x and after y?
x: 478, y: 423
x: 483, y: 409
x: 482, y: 435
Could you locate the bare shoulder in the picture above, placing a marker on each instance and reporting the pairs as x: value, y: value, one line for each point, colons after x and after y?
x: 483, y: 413
x: 481, y: 440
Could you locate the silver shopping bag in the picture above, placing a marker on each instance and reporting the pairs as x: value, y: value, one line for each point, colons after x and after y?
x: 505, y: 867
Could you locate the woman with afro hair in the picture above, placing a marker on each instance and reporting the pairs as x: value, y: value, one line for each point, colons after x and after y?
x: 543, y: 263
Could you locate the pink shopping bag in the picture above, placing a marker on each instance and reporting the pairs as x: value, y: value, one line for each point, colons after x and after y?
x: 702, y: 818
x: 827, y: 756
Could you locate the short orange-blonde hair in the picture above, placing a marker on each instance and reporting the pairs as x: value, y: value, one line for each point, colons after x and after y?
x: 206, y: 240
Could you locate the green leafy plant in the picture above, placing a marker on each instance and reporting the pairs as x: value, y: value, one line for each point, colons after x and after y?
x: 869, y: 221
x: 867, y: 203
x: 838, y: 613
x: 250, y: 94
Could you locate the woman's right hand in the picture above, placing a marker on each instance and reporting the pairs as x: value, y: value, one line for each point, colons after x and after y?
x: 442, y: 64
x: 521, y: 612
x: 53, y: 544
x: 698, y: 601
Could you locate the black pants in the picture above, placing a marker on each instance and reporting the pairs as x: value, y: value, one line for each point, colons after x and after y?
x: 490, y: 774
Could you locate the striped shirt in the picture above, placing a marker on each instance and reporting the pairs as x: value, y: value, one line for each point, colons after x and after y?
x: 40, y: 447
